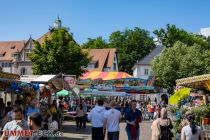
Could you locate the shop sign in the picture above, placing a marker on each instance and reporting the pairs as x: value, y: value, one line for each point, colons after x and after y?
x: 103, y: 87
x: 9, y: 76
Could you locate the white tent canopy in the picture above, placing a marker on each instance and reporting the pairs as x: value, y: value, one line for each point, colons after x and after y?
x: 28, y: 78
x: 44, y: 78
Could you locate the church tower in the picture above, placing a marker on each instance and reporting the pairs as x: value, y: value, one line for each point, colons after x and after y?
x: 57, y: 23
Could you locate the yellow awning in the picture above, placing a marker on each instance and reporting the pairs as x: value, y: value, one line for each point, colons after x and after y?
x: 202, y: 81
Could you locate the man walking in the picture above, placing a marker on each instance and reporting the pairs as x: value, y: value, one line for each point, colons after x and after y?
x: 112, y: 119
x: 35, y: 123
x: 133, y: 117
x: 96, y: 116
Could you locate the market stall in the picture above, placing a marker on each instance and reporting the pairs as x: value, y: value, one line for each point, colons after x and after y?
x: 200, y: 93
x: 199, y: 84
x: 105, y: 75
x: 118, y: 83
x: 48, y: 84
x: 6, y: 80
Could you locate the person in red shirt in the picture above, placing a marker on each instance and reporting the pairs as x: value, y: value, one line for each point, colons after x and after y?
x: 152, y: 110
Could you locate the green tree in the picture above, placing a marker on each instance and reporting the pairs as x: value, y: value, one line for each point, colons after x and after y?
x: 58, y: 54
x: 180, y: 61
x: 208, y: 40
x: 169, y: 36
x: 131, y: 45
x: 98, y: 43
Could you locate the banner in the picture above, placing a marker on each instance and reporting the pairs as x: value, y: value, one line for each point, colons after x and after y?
x: 69, y: 81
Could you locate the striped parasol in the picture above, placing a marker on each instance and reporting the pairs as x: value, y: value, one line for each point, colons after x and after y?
x: 105, y: 75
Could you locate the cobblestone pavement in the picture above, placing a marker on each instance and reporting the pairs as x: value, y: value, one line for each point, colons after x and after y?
x: 70, y: 132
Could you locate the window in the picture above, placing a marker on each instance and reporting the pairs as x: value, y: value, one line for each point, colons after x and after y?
x: 2, y: 54
x: 106, y: 69
x: 27, y: 56
x: 13, y: 47
x: 115, y: 67
x: 146, y: 71
x: 6, y: 64
x: 91, y: 66
x: 3, y: 65
x: 23, y: 71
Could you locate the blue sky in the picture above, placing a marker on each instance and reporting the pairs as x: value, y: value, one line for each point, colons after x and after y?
x: 92, y: 18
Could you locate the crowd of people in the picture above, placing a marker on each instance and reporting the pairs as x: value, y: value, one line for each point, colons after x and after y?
x: 107, y: 119
x: 35, y: 116
x: 162, y: 127
x: 104, y: 115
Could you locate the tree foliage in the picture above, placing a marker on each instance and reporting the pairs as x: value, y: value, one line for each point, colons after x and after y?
x: 180, y: 61
x: 98, y: 43
x: 169, y: 36
x: 58, y: 54
x: 131, y: 45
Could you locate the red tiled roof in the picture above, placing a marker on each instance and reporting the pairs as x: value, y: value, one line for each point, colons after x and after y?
x: 10, y: 47
x: 112, y: 53
x: 41, y: 39
x: 104, y: 57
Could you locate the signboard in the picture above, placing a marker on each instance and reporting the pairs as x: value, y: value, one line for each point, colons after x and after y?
x: 69, y: 81
x: 9, y: 76
x: 103, y: 87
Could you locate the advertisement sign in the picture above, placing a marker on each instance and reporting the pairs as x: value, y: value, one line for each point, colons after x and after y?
x: 69, y: 81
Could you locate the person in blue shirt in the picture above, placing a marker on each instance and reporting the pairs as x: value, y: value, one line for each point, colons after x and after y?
x: 133, y: 117
x: 32, y: 108
x: 127, y: 107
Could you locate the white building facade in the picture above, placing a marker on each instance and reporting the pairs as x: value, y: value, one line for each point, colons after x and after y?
x: 142, y: 69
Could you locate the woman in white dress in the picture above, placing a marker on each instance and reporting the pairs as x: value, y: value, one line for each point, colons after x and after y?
x: 191, y: 131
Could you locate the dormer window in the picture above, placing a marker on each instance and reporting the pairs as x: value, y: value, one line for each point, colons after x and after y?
x: 106, y: 69
x: 2, y: 54
x: 13, y: 47
x: 93, y: 65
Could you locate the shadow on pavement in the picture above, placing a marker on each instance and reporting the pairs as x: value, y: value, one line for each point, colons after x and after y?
x: 146, y: 121
x: 72, y: 129
x: 67, y: 138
